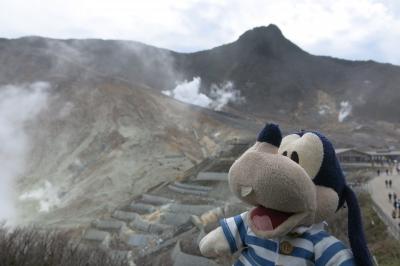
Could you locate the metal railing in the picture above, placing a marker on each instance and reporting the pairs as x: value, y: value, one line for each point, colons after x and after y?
x: 392, y: 225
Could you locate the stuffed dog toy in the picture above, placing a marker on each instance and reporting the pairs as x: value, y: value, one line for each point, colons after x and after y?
x: 294, y: 184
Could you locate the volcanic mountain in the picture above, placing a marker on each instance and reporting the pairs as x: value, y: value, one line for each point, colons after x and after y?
x: 274, y: 75
x: 108, y: 132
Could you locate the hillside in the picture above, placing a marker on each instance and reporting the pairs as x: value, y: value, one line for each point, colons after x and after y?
x: 274, y: 75
x: 98, y: 144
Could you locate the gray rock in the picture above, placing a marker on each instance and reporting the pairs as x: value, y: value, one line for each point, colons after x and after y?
x: 175, y: 219
x: 212, y: 176
x: 155, y: 200
x: 139, y: 224
x: 148, y: 227
x: 142, y: 207
x: 99, y: 236
x: 186, y: 208
x: 126, y: 216
x: 109, y: 224
x: 156, y: 228
x: 192, y: 186
x: 187, y: 190
x: 140, y: 240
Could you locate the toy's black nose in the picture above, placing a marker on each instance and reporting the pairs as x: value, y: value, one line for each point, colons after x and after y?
x: 270, y: 134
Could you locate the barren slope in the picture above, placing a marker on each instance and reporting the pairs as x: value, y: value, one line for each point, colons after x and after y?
x: 97, y: 145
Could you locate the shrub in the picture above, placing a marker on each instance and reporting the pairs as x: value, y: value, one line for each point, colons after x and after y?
x: 38, y: 247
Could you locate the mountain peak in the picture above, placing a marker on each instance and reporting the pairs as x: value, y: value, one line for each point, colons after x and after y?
x: 264, y: 32
x: 268, y: 39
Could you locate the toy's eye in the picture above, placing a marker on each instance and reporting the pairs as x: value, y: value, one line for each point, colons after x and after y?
x: 295, y: 157
x: 309, y: 147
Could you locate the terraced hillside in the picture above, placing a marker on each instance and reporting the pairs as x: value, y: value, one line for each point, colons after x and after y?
x: 163, y: 225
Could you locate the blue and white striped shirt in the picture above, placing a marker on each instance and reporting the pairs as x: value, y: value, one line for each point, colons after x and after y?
x: 311, y: 246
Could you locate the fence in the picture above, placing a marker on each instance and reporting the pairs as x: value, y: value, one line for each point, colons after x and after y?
x: 388, y: 220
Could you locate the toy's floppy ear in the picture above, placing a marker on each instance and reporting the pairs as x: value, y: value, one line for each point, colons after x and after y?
x: 356, y: 230
x: 270, y: 134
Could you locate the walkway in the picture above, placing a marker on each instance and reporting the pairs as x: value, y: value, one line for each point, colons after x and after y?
x: 379, y: 194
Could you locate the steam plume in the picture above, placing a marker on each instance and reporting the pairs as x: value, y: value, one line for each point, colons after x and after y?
x: 220, y: 96
x: 18, y: 104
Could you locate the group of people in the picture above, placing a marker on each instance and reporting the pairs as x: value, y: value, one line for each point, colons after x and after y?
x: 396, y: 205
x: 388, y: 184
x: 388, y: 171
x: 392, y: 195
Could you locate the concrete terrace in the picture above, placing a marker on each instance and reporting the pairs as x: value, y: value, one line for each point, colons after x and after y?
x: 163, y: 225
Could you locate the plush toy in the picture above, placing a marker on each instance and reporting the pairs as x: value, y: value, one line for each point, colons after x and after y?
x: 294, y: 184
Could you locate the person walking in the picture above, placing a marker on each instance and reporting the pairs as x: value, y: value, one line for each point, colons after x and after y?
x: 390, y: 183
x: 390, y: 197
x: 397, y: 208
x: 394, y: 196
x: 378, y: 172
x: 387, y: 171
x: 394, y: 214
x: 386, y: 183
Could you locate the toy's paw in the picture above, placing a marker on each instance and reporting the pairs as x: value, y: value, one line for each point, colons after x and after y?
x: 214, y: 244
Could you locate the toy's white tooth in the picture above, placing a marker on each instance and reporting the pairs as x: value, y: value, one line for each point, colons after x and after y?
x: 245, y: 190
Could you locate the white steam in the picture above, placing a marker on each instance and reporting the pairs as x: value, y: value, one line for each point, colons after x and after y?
x: 345, y: 110
x: 18, y: 105
x: 46, y: 196
x: 324, y: 110
x: 220, y: 96
x: 224, y: 94
x: 189, y: 92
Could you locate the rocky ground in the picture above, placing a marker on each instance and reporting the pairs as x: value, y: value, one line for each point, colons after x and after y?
x: 163, y: 225
x: 96, y: 146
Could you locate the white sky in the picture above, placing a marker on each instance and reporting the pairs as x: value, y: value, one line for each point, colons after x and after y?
x: 352, y: 29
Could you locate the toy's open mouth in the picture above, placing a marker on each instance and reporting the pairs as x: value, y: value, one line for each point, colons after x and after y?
x: 265, y: 219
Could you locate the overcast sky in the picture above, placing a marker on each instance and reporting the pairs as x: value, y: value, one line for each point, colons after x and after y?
x: 352, y: 29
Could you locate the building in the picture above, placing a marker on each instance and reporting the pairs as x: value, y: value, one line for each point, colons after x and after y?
x: 379, y: 158
x: 353, y: 156
x: 385, y: 156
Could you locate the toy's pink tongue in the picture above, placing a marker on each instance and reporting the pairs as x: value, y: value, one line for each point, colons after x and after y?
x: 268, y: 219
